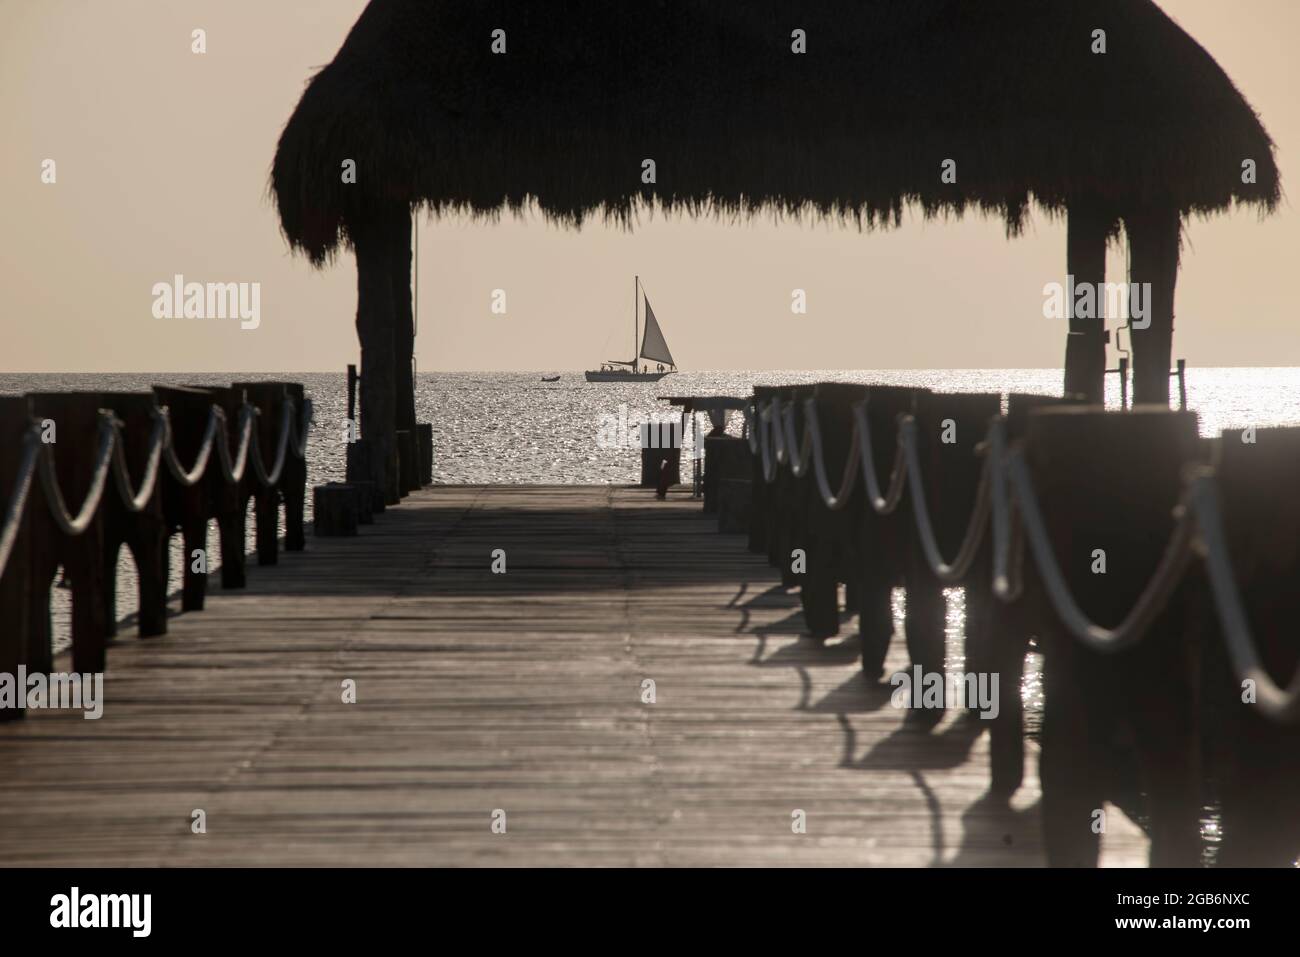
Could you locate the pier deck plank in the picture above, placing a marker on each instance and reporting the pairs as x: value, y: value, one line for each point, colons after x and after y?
x: 520, y: 692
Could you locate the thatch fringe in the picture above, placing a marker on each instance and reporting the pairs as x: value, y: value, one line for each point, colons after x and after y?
x: 855, y: 129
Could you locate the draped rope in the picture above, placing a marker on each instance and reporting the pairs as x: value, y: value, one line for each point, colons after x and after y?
x: 282, y: 447
x: 18, y: 497
x: 187, y: 478
x: 881, y: 504
x: 1277, y: 703
x: 974, y: 536
x: 798, y: 452
x: 848, y: 478
x: 135, y: 501
x: 110, y: 455
x: 233, y: 471
x: 1173, y: 563
x: 68, y: 524
x: 1007, y: 506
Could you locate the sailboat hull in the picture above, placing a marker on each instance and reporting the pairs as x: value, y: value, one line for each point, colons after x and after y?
x: 616, y: 376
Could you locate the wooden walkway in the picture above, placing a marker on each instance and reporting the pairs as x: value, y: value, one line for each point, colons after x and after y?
x: 521, y: 692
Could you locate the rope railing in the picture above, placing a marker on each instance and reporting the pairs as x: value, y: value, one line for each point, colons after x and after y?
x: 67, y: 523
x: 1006, y: 505
x: 135, y: 501
x: 281, y: 450
x: 946, y: 572
x: 18, y: 497
x: 1280, y: 704
x: 187, y: 478
x: 110, y: 455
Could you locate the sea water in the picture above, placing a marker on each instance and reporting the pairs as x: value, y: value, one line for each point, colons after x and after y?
x: 512, y: 428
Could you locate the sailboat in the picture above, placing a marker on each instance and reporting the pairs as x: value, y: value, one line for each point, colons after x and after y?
x: 653, y: 347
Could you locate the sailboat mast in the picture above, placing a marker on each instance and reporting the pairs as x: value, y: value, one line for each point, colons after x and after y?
x: 636, y: 289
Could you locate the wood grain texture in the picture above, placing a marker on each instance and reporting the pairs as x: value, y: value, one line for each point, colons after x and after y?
x: 519, y: 691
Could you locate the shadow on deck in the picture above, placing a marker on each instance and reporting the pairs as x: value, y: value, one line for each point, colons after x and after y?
x: 519, y: 692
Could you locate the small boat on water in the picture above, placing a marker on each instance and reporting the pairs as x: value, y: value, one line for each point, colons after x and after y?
x: 550, y: 378
x: 652, y: 346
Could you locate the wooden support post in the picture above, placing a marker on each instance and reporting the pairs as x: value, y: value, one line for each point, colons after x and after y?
x: 949, y: 427
x: 145, y: 532
x: 360, y: 469
x: 16, y: 581
x: 227, y: 500
x: 1153, y: 259
x: 1007, y: 628
x: 882, y: 562
x: 399, y: 225
x: 830, y: 543
x: 424, y: 442
x: 760, y: 500
x: 1085, y: 350
x: 727, y: 471
x: 353, y: 378
x: 1256, y: 760
x: 734, y: 505
x: 268, y: 398
x: 1108, y: 546
x: 792, y: 500
x: 367, y: 496
x: 372, y: 242
x: 186, y: 509
x: 408, y: 462
x: 293, y: 483
x: 76, y: 418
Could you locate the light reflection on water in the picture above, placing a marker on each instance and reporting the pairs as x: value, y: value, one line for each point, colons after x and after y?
x: 509, y: 427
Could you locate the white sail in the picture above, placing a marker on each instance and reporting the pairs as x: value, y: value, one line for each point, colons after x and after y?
x: 653, y: 345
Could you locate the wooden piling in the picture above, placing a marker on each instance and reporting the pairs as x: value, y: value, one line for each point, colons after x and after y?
x: 1007, y: 628
x: 76, y: 421
x: 16, y: 580
x: 882, y: 559
x: 791, y: 495
x: 831, y: 545
x: 293, y: 483
x: 1087, y: 232
x: 424, y: 444
x: 1254, y: 760
x: 408, y: 463
x: 187, y: 509
x: 1107, y: 485
x: 228, y: 501
x: 727, y: 471
x: 760, y: 503
x: 268, y: 398
x: 144, y: 533
x: 950, y: 427
x: 1154, y: 237
x: 360, y: 468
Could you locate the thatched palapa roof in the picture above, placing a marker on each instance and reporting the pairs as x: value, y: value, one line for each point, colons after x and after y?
x: 857, y: 127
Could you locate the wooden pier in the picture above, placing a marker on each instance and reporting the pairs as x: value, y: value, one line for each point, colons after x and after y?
x: 521, y: 692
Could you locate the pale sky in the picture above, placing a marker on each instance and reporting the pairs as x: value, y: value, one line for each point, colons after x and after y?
x: 162, y: 157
